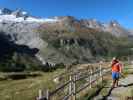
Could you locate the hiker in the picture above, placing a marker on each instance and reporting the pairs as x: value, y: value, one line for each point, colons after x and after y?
x: 116, y: 70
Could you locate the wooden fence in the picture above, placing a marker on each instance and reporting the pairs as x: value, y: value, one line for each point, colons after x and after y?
x: 78, y: 81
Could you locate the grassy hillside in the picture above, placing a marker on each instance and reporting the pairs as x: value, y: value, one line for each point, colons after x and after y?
x: 27, y: 89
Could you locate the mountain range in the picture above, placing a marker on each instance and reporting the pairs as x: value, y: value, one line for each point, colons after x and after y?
x: 61, y: 39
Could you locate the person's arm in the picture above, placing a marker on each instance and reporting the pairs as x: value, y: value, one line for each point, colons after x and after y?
x: 120, y: 65
x: 111, y: 63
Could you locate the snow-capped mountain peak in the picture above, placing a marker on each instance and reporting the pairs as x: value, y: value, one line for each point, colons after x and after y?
x: 7, y: 15
x: 21, y: 16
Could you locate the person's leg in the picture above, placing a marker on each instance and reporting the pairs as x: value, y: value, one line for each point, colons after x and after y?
x: 113, y: 80
x: 117, y: 79
x: 117, y: 82
x: 113, y: 84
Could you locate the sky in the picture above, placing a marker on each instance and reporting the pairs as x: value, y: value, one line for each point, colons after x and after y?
x: 102, y: 10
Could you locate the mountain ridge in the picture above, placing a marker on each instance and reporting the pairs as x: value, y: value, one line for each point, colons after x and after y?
x: 21, y: 16
x: 64, y: 39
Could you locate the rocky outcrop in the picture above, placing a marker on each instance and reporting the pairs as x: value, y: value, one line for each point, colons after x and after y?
x: 5, y: 11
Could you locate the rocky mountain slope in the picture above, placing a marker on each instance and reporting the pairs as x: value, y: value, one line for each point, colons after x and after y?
x: 62, y: 39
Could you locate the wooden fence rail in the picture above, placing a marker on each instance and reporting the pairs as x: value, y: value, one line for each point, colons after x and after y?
x: 70, y: 85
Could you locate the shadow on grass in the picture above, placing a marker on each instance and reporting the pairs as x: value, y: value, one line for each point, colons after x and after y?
x: 131, y: 84
x: 109, y: 93
x: 95, y: 94
x: 98, y: 88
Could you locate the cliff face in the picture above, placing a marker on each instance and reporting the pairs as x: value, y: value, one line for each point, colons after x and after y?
x: 74, y: 41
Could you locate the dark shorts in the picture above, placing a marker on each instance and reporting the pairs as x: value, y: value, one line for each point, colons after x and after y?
x: 115, y: 75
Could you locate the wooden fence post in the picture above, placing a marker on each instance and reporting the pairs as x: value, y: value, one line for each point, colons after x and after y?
x: 47, y: 95
x: 101, y: 72
x: 128, y: 60
x: 96, y: 75
x: 90, y: 77
x: 74, y: 87
x: 70, y: 85
x: 40, y: 96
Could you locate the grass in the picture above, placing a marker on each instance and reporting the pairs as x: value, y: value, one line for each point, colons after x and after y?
x: 27, y: 89
x: 92, y: 92
x: 126, y: 69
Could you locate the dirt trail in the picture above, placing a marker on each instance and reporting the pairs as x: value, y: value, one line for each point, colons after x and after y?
x: 123, y: 92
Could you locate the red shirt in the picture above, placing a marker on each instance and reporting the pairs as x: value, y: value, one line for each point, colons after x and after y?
x: 116, y: 67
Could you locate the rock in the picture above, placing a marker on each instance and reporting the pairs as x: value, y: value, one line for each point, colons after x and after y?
x: 5, y: 11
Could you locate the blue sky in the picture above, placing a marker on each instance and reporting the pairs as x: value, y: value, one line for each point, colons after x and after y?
x: 103, y: 10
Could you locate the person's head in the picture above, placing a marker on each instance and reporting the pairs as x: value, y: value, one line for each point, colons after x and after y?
x: 115, y: 59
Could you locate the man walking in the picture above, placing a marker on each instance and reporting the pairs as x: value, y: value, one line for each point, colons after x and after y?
x: 116, y: 70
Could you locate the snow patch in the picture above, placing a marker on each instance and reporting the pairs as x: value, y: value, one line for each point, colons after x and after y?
x: 32, y: 19
x: 28, y: 19
x: 114, y: 24
x: 11, y: 18
x: 24, y: 13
